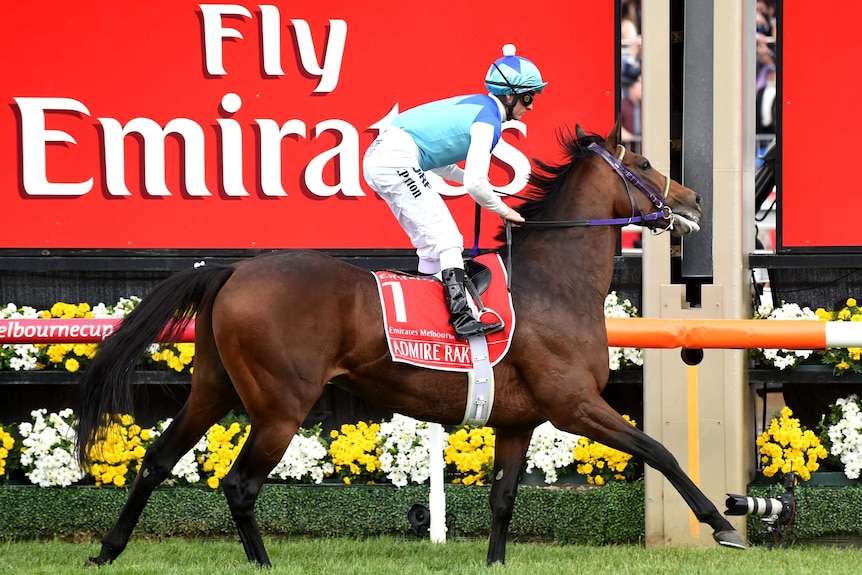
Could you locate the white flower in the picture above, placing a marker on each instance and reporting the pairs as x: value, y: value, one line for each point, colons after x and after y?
x: 846, y: 436
x: 404, y: 450
x: 48, y: 443
x: 550, y: 450
x: 785, y: 358
x: 25, y: 357
x: 620, y: 357
x: 303, y: 459
x: 186, y: 469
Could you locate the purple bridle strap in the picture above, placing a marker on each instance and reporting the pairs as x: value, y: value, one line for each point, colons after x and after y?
x: 628, y: 176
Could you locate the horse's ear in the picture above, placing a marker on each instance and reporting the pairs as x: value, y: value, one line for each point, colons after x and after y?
x: 614, y: 136
x: 579, y: 132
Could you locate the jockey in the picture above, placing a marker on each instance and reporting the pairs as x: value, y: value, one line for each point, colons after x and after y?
x: 434, y: 137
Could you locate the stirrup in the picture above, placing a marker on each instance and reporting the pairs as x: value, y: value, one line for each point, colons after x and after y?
x: 467, y: 326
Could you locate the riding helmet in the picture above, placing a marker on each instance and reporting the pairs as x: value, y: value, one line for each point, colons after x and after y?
x: 513, y: 75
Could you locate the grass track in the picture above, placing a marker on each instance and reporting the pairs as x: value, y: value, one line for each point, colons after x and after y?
x: 388, y: 556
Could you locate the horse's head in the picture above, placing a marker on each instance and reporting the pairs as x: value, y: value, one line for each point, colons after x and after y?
x: 653, y: 199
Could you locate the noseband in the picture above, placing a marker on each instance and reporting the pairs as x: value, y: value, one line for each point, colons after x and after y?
x: 629, y: 177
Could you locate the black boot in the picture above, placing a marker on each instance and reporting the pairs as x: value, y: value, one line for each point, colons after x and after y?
x: 459, y: 311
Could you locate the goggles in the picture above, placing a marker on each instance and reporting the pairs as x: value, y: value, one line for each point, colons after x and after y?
x: 527, y: 98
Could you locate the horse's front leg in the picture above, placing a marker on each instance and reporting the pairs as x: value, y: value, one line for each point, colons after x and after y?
x: 510, y: 453
x: 601, y: 423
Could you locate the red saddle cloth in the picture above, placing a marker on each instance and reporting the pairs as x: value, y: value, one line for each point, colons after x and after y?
x: 416, y: 319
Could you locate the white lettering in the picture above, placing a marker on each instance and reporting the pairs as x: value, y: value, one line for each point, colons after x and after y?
x: 397, y: 301
x: 385, y: 121
x: 271, y: 136
x: 270, y: 30
x: 332, y: 57
x: 420, y: 350
x: 50, y: 331
x: 214, y: 33
x: 34, y: 137
x: 154, y: 154
x: 343, y: 159
x: 457, y: 354
x: 507, y: 154
x: 327, y: 68
x: 231, y: 148
x: 517, y: 161
x: 346, y: 150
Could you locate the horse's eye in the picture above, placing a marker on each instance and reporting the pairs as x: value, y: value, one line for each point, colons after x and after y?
x: 645, y: 165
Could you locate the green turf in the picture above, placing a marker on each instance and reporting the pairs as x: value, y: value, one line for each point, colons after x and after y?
x: 385, y: 556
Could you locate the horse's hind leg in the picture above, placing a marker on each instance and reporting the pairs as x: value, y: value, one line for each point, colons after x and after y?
x: 510, y: 453
x: 601, y: 423
x: 185, y: 430
x: 262, y: 451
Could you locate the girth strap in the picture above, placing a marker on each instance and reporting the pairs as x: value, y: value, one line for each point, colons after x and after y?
x: 480, y: 384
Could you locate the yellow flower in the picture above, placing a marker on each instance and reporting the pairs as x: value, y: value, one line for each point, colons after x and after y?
x: 354, y: 452
x: 471, y: 453
x: 7, y: 442
x: 851, y: 302
x: 116, y: 459
x: 787, y: 447
x: 599, y: 462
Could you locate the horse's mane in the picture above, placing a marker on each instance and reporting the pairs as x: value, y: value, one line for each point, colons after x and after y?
x: 547, y: 179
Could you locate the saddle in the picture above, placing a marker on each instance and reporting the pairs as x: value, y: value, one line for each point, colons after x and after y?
x: 479, y: 275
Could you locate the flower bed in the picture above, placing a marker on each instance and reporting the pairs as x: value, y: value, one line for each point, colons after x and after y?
x: 74, y: 357
x: 396, y: 451
x: 842, y: 360
x: 391, y: 451
x: 788, y: 447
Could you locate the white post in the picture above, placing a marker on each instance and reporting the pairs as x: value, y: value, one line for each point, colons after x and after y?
x: 437, y: 498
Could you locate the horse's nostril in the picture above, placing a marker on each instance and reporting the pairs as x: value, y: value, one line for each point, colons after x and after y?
x: 698, y: 199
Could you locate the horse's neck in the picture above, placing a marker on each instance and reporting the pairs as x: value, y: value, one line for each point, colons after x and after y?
x: 579, y: 259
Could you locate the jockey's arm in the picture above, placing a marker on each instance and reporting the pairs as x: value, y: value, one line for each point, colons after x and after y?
x: 476, y: 166
x: 474, y: 176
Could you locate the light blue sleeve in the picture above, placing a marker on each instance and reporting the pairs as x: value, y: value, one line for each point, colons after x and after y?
x: 441, y: 129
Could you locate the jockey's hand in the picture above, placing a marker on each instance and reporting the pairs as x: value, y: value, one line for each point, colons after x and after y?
x: 513, y: 216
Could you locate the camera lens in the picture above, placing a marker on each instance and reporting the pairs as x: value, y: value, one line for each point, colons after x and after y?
x: 759, y: 506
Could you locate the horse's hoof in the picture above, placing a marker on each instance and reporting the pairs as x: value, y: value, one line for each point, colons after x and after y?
x: 729, y: 539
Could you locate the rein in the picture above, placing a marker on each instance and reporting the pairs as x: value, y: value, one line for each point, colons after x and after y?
x: 629, y: 177
x: 664, y: 212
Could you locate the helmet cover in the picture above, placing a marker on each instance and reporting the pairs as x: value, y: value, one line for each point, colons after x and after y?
x: 513, y: 74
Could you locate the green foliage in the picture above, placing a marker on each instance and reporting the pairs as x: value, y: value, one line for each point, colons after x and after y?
x: 608, y: 515
x: 821, y: 512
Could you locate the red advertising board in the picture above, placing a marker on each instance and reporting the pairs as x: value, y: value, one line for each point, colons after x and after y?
x: 820, y: 121
x: 173, y: 124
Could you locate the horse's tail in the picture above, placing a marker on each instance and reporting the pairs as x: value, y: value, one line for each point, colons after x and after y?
x: 105, y: 390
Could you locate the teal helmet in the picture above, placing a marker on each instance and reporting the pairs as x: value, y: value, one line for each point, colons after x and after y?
x: 513, y: 75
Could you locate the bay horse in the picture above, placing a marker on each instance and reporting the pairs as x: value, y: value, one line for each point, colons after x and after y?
x: 271, y: 331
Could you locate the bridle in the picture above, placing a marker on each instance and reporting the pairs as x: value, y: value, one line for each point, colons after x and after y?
x: 629, y: 177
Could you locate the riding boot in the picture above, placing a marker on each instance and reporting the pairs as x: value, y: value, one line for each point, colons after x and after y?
x: 460, y: 316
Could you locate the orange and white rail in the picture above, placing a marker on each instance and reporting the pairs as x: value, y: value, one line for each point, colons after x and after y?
x: 732, y: 333
x: 622, y: 332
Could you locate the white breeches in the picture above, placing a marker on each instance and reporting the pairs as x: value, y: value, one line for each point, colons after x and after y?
x: 391, y: 168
